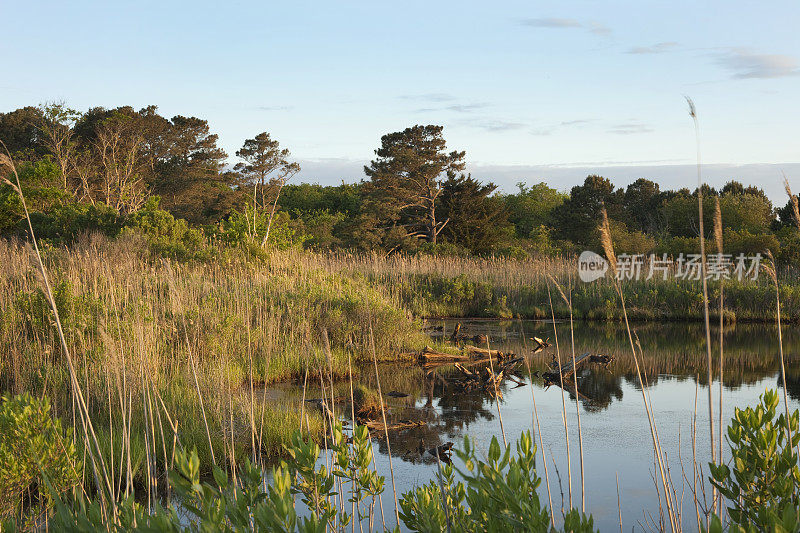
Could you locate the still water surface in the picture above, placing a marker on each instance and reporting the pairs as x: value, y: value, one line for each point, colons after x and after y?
x: 615, y: 430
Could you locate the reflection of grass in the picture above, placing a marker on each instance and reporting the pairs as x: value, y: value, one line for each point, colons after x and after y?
x: 668, y: 348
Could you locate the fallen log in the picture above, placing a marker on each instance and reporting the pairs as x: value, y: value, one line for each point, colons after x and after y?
x: 567, y: 368
x: 378, y: 425
x: 485, y: 352
x: 540, y: 343
x: 429, y: 355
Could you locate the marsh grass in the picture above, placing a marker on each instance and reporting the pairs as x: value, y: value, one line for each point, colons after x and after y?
x: 155, y: 342
x: 501, y: 288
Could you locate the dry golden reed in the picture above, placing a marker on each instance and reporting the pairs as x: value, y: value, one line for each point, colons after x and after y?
x: 605, y: 240
x: 717, y: 225
x: 793, y: 199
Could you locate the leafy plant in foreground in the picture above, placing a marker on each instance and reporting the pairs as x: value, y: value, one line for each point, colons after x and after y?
x: 496, y: 495
x: 762, y: 482
x: 32, y: 448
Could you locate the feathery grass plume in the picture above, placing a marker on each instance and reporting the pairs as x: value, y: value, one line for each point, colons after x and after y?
x: 608, y: 245
x: 718, y: 241
x: 793, y: 199
x: 717, y: 225
x: 7, y: 165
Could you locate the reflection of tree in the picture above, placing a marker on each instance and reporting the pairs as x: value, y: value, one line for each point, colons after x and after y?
x: 461, y: 408
x: 676, y: 349
x: 600, y: 387
x: 792, y: 383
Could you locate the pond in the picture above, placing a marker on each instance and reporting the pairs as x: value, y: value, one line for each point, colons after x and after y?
x: 615, y: 431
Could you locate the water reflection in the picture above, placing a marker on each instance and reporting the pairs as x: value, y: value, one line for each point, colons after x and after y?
x: 673, y: 363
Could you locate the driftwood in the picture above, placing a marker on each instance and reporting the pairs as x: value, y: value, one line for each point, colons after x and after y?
x: 601, y: 359
x: 568, y: 369
x: 485, y: 352
x: 429, y: 355
x: 540, y: 344
x: 378, y: 425
x: 456, y: 337
x: 480, y: 379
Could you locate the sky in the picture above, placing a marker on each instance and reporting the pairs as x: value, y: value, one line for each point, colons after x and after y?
x: 532, y: 91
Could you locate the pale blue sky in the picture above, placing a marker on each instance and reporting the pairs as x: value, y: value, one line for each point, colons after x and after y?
x: 531, y: 90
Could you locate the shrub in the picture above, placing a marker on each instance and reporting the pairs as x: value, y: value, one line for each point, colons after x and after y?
x: 763, y: 480
x: 167, y: 235
x: 35, y: 458
x: 496, y: 495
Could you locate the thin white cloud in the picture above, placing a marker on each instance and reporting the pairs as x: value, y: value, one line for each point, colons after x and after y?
x: 494, y: 125
x: 551, y: 23
x: 275, y: 107
x: 428, y: 97
x: 658, y: 48
x: 566, y: 23
x: 630, y: 128
x: 457, y: 108
x: 599, y: 29
x: 466, y: 108
x: 745, y: 64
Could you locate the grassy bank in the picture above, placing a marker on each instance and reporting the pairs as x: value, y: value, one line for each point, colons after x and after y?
x: 151, y: 339
x: 160, y: 344
x: 502, y: 288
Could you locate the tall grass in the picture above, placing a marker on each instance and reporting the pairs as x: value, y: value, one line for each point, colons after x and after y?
x: 501, y: 288
x: 184, y: 339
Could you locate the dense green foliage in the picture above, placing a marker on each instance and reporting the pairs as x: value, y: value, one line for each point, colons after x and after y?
x: 37, y: 461
x: 493, y: 496
x: 762, y: 480
x: 498, y: 494
x: 91, y: 171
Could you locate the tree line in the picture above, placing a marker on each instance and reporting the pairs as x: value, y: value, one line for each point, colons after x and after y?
x: 105, y: 169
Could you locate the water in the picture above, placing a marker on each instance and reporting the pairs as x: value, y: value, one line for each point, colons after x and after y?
x: 615, y: 429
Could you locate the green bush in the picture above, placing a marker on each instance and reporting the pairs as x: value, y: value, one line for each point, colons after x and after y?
x: 64, y: 222
x: 36, y: 462
x: 243, y: 227
x: 166, y: 235
x: 762, y: 481
x: 496, y: 495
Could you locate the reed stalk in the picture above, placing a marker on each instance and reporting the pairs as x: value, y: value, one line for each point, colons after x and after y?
x: 385, y: 427
x: 496, y: 393
x: 608, y: 248
x: 107, y: 491
x: 703, y: 275
x: 563, y: 400
x: 718, y: 241
x: 535, y: 423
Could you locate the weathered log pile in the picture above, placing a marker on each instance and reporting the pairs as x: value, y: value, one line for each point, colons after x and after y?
x: 379, y: 426
x: 485, y: 378
x: 429, y: 356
